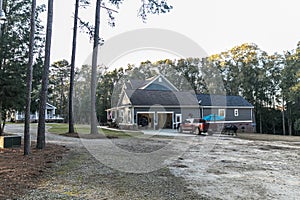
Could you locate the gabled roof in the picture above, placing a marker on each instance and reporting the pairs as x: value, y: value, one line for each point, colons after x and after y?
x: 150, y: 83
x: 222, y: 100
x: 50, y: 106
x: 170, y: 86
x: 141, y: 97
x: 136, y: 84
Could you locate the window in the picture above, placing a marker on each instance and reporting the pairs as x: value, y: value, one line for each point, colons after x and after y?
x: 222, y: 112
x: 129, y: 116
x: 236, y: 112
x: 121, y: 115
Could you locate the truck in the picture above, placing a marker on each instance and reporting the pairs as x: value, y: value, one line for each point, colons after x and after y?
x: 194, y: 125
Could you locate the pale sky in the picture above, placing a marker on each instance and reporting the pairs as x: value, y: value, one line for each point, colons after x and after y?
x: 215, y: 25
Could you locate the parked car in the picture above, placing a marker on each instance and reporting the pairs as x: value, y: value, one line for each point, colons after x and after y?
x: 194, y: 125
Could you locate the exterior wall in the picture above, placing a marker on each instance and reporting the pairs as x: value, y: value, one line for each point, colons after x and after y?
x: 190, y: 113
x: 246, y: 127
x: 128, y: 117
x: 123, y: 115
x: 244, y: 114
x: 244, y: 121
x: 155, y: 111
x: 185, y: 113
x: 159, y: 113
x: 208, y: 111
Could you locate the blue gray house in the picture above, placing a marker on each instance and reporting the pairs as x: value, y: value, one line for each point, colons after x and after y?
x: 156, y: 103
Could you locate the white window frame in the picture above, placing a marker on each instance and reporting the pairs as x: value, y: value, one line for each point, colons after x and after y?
x: 222, y: 110
x: 121, y: 115
x: 129, y: 116
x: 236, y: 112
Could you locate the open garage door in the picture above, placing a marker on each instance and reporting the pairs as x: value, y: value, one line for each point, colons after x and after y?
x: 145, y: 120
x: 165, y: 120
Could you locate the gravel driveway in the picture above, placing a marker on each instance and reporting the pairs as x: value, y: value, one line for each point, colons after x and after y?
x: 192, y: 167
x: 80, y: 176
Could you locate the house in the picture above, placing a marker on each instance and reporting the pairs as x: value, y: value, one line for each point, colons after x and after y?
x: 50, y: 115
x: 156, y: 103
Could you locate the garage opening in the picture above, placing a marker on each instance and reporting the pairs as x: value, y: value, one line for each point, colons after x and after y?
x: 145, y: 120
x: 165, y: 120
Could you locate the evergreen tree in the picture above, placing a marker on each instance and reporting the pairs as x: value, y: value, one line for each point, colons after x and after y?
x: 14, y: 53
x: 29, y: 81
x: 41, y: 142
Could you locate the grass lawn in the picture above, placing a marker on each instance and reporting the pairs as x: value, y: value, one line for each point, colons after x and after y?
x: 268, y: 137
x: 84, y: 131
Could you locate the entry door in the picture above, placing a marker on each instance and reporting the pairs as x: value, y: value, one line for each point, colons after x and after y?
x: 178, y: 119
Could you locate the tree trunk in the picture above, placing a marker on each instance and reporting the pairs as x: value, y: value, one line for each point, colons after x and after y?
x: 283, y: 117
x: 29, y: 81
x: 1, y: 127
x: 260, y: 122
x: 94, y: 123
x: 43, y: 95
x: 71, y: 92
x: 61, y: 95
x: 290, y: 124
x: 274, y: 127
x: 2, y: 120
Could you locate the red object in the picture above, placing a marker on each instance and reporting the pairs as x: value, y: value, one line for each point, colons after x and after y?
x: 194, y: 125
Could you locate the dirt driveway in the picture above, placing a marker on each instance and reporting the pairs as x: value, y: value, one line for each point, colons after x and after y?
x: 242, y: 169
x: 207, y: 167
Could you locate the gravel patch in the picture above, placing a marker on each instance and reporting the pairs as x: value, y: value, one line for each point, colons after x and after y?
x: 211, y: 167
x: 242, y: 169
x: 80, y: 176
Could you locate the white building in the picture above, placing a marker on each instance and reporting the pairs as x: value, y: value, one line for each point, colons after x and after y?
x: 49, y: 114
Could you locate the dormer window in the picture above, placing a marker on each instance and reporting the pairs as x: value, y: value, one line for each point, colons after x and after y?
x: 160, y: 79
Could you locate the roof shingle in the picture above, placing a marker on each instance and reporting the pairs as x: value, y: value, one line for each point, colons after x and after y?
x: 222, y: 100
x: 161, y: 97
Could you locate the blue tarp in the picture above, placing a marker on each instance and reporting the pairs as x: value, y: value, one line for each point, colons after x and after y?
x: 213, y: 117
